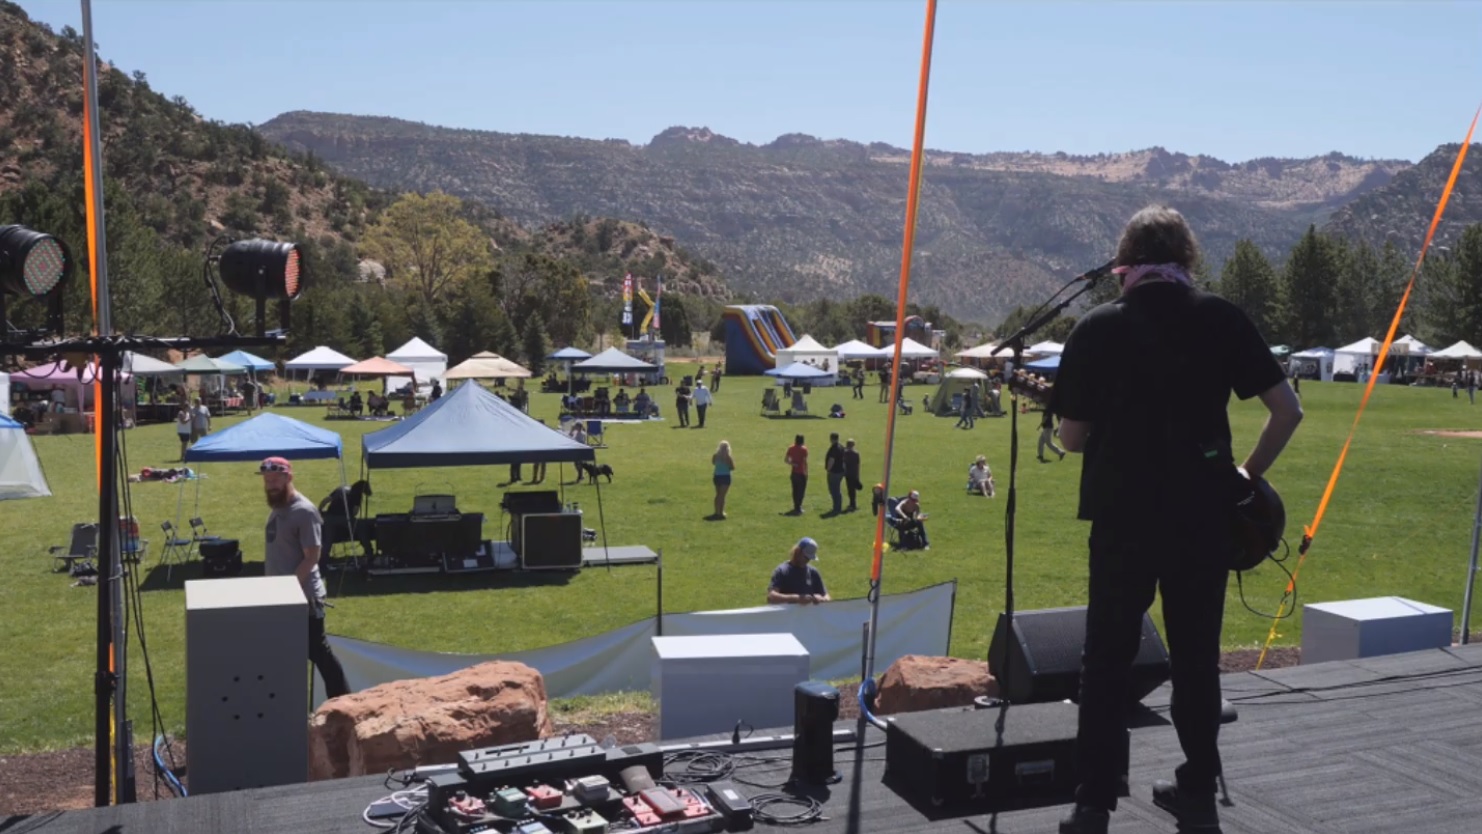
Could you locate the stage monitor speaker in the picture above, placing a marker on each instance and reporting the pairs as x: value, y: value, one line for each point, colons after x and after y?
x: 815, y: 709
x: 550, y: 541
x: 1042, y: 660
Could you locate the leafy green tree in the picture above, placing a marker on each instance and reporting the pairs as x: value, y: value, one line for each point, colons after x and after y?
x: 422, y: 319
x: 475, y: 319
x: 535, y: 283
x: 1249, y: 282
x: 1309, y: 292
x: 867, y: 308
x: 365, y: 332
x: 427, y: 247
x: 674, y: 321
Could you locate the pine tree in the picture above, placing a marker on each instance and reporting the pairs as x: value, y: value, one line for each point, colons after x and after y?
x: 1309, y: 292
x: 536, y: 343
x: 1455, y: 283
x: 1249, y: 282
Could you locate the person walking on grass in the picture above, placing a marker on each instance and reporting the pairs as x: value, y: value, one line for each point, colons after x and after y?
x: 833, y: 466
x: 183, y: 421
x: 724, y: 465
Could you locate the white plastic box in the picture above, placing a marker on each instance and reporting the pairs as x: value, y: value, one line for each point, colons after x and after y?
x: 704, y: 685
x: 246, y: 683
x: 1356, y: 628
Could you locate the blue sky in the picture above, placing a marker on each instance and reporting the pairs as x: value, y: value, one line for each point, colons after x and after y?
x: 1232, y: 80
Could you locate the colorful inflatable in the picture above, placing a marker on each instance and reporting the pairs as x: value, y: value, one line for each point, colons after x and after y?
x: 754, y: 334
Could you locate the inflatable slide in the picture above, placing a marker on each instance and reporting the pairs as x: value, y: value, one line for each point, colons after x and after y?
x: 754, y: 334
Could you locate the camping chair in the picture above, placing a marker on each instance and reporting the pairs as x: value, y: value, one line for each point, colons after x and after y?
x: 594, y: 434
x: 177, y: 549
x: 900, y: 539
x: 131, y: 548
x: 769, y: 402
x: 799, y: 405
x: 84, y: 546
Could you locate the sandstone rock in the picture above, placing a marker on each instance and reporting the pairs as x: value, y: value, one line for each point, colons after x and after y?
x: 916, y: 682
x: 427, y: 721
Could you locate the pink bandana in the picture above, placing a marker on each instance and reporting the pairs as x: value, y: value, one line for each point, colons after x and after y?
x: 1134, y: 275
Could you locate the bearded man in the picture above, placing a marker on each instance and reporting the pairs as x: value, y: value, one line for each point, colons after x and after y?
x: 293, y: 541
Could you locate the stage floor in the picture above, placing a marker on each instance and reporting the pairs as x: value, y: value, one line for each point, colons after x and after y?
x: 1380, y: 745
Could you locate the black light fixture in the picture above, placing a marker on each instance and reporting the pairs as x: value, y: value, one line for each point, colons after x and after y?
x: 34, y: 265
x: 263, y: 270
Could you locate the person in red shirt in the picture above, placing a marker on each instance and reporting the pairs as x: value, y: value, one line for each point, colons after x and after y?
x: 797, y: 458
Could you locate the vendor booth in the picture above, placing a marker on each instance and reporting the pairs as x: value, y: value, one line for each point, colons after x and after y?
x: 1314, y: 363
x: 948, y: 398
x: 472, y: 427
x: 426, y: 361
x: 57, y: 398
x: 1357, y: 361
x: 809, y: 351
x: 626, y: 370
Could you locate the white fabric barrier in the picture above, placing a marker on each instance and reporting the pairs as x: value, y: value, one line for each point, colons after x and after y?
x: 917, y: 622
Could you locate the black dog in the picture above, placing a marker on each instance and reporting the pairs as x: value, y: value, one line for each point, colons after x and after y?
x: 592, y: 470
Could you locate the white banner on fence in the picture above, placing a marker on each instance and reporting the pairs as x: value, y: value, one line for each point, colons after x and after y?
x: 919, y: 622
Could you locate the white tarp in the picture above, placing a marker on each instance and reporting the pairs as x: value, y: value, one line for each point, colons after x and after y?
x: 429, y: 363
x: 809, y: 350
x: 20, y: 471
x: 917, y: 622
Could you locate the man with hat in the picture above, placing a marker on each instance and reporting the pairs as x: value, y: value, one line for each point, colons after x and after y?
x: 293, y: 540
x: 796, y: 580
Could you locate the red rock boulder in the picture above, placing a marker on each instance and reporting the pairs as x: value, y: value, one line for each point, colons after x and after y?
x: 916, y: 682
x: 428, y: 720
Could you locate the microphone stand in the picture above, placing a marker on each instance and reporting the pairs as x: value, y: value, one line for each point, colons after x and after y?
x: 1016, y: 342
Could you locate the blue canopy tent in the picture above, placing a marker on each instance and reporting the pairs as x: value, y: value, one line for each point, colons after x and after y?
x: 470, y: 426
x: 570, y: 356
x: 247, y: 360
x: 261, y: 437
x: 1049, y: 363
x: 798, y: 371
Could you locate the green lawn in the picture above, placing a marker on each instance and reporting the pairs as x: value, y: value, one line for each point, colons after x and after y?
x: 1400, y: 523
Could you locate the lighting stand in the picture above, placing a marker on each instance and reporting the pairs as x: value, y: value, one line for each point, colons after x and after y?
x: 110, y: 679
x: 1016, y: 343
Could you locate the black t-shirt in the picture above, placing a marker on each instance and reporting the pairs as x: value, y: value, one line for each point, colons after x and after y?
x: 833, y: 460
x: 334, y: 505
x: 1152, y: 373
x: 791, y: 579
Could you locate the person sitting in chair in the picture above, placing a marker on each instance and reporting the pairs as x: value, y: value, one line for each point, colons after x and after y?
x: 642, y: 402
x: 356, y: 405
x: 341, y: 511
x: 912, y: 520
x: 980, y: 477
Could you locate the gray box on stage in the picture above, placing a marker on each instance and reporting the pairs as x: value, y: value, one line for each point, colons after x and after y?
x: 1355, y: 628
x: 706, y: 684
x: 246, y: 683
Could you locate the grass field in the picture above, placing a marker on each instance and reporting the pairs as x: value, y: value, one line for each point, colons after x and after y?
x: 1400, y: 523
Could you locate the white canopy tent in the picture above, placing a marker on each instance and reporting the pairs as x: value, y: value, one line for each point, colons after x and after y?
x: 910, y: 349
x: 855, y: 349
x: 140, y: 365
x: 809, y: 350
x: 319, y: 359
x: 1410, y: 346
x: 20, y: 471
x: 1320, y: 358
x: 1045, y: 348
x: 979, y: 352
x: 487, y: 365
x: 1351, y: 359
x: 1460, y: 350
x: 428, y: 362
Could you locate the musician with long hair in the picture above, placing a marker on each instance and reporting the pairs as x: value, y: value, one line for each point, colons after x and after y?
x: 1159, y: 485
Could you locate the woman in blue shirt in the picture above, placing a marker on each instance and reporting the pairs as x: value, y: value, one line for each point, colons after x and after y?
x: 724, y: 464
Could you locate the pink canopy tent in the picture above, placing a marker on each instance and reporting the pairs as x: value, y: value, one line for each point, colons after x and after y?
x: 64, y: 377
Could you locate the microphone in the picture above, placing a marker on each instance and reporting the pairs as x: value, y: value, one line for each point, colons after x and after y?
x: 1099, y: 272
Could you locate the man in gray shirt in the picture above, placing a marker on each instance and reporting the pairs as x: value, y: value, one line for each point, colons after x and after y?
x: 293, y: 539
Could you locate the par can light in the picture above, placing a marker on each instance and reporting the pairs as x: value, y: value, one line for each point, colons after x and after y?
x: 32, y: 263
x: 264, y: 269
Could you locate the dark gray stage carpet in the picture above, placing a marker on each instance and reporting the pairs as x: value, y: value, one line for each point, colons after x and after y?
x: 1381, y: 745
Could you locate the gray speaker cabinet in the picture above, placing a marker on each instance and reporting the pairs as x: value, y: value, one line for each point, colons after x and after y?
x: 246, y: 683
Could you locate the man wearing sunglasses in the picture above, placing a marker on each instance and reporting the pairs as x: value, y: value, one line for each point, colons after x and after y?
x: 293, y: 541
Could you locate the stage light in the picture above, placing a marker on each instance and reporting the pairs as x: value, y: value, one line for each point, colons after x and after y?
x: 34, y: 265
x: 263, y: 270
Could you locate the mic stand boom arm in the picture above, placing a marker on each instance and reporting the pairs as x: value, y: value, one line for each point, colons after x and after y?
x: 1000, y: 665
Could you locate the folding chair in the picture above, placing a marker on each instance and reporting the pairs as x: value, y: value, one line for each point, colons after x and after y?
x: 594, y: 434
x: 769, y: 402
x: 177, y: 549
x: 84, y: 545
